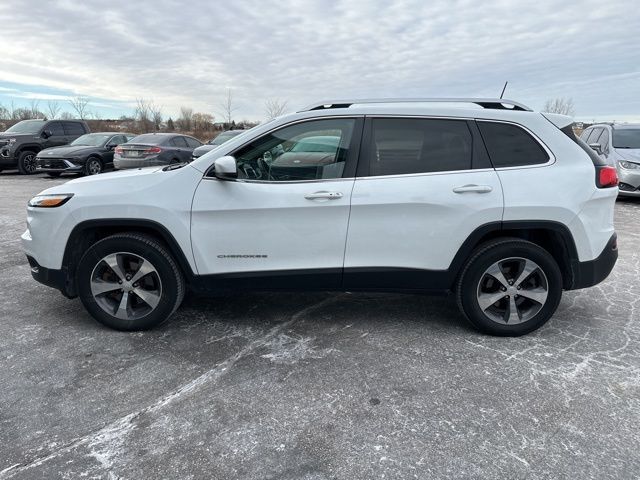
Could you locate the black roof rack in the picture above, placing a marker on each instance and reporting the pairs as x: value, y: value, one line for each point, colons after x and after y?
x: 492, y: 103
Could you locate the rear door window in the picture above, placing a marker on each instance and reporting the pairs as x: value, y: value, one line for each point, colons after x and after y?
x: 511, y: 146
x: 400, y: 146
x: 192, y: 142
x: 594, y: 136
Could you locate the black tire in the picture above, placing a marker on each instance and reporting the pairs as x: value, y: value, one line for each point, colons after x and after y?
x: 469, y: 287
x: 27, y: 162
x: 53, y: 174
x: 151, y: 250
x: 93, y: 166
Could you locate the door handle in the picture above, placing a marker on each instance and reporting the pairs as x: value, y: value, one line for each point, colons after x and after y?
x: 473, y: 188
x: 323, y: 195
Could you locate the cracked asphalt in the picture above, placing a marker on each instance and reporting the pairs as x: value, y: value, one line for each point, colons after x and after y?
x: 316, y: 386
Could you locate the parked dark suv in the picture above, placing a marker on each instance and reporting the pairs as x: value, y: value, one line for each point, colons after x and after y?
x: 20, y: 144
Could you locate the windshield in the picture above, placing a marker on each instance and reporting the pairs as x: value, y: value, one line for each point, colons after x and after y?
x: 626, y: 138
x: 149, y: 139
x: 26, y: 126
x: 92, y: 140
x: 223, y: 137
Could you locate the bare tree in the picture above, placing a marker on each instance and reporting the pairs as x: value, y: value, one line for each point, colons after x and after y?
x: 34, y: 107
x: 156, y: 115
x: 80, y: 104
x: 66, y: 116
x: 227, y: 108
x: 4, y: 113
x: 185, y: 119
x: 53, y: 109
x: 560, y: 105
x: 143, y: 114
x: 273, y: 108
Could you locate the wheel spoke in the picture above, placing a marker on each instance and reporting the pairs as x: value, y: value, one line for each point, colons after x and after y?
x: 485, y: 300
x: 145, y: 269
x: 123, y: 307
x: 98, y: 287
x: 496, y: 273
x: 529, y: 268
x: 536, y: 294
x: 513, y: 317
x: 112, y: 261
x: 150, y: 298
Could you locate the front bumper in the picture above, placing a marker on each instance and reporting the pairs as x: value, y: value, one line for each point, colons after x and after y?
x: 587, y: 274
x: 629, y: 179
x: 57, y: 279
x: 120, y: 163
x: 59, y: 165
x: 7, y: 158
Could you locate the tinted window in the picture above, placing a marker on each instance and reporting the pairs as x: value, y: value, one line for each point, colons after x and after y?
x: 584, y: 135
x: 178, y: 142
x: 56, y: 129
x: 595, y: 135
x: 626, y: 137
x: 403, y: 146
x: 73, y: 128
x: 192, y: 142
x: 277, y: 157
x: 511, y: 146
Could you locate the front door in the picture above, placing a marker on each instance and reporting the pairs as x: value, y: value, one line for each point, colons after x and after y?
x: 283, y: 222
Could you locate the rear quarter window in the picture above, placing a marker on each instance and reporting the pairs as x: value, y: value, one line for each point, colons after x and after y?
x: 511, y: 146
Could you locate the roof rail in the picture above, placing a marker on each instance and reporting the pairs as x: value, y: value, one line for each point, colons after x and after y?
x: 492, y: 103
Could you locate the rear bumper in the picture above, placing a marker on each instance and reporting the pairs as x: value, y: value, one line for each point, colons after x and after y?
x: 57, y: 279
x: 587, y: 274
x: 123, y: 163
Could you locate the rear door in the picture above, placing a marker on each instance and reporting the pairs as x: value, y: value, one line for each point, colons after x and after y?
x: 423, y: 186
x: 180, y: 149
x: 73, y: 130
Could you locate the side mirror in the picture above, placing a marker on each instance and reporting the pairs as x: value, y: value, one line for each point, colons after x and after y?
x: 47, y: 133
x: 110, y: 146
x: 597, y: 147
x: 226, y: 168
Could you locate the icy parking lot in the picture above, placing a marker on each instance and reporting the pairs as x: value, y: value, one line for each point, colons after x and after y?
x: 316, y: 386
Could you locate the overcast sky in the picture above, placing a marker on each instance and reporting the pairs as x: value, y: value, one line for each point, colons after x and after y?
x: 190, y: 52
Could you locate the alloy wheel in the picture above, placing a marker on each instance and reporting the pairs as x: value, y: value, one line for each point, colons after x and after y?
x: 29, y: 163
x: 126, y: 285
x: 94, y: 167
x: 512, y: 290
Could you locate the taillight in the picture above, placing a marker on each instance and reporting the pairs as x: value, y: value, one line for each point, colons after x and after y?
x: 606, y: 176
x: 151, y: 150
x: 118, y: 150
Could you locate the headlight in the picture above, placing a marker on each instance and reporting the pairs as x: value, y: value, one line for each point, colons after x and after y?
x: 50, y: 201
x: 629, y: 165
x: 11, y: 141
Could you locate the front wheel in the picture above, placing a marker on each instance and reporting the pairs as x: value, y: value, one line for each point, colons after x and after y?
x: 129, y: 281
x: 509, y: 287
x: 27, y: 163
x: 93, y: 166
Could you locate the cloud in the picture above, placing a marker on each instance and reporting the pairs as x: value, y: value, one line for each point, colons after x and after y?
x: 188, y: 53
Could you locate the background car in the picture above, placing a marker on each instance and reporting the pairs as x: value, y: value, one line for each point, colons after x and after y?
x: 20, y: 144
x: 89, y: 154
x: 152, y: 149
x: 618, y: 145
x: 219, y: 140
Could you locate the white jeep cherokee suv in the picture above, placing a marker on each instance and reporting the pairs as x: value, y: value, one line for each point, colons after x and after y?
x: 485, y: 198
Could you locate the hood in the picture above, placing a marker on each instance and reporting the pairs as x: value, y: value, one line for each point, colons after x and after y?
x: 17, y: 135
x: 630, y: 154
x: 198, y: 151
x: 67, y: 151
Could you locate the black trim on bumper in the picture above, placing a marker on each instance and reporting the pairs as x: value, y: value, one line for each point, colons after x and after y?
x: 587, y: 274
x: 51, y: 278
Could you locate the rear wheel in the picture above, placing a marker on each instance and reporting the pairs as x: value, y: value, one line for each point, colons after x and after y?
x: 93, y: 166
x: 27, y: 163
x: 509, y: 287
x: 129, y: 281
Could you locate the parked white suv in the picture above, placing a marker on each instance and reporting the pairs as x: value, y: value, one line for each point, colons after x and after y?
x: 484, y: 198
